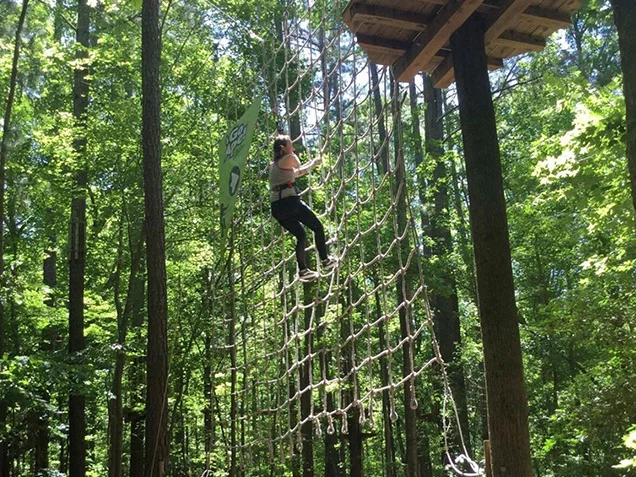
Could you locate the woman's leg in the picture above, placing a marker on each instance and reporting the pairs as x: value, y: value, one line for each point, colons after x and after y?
x: 294, y: 227
x: 305, y: 215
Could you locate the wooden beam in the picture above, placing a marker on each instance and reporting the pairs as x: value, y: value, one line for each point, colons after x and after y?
x: 391, y: 46
x: 376, y: 14
x: 348, y: 18
x: 444, y: 74
x: 501, y: 20
x: 520, y: 41
x: 486, y: 6
x: 448, y: 19
x: 494, y: 63
x: 546, y: 17
x: 387, y: 45
x: 363, y: 13
x: 532, y: 13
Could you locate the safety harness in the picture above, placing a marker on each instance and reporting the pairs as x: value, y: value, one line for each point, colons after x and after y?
x: 287, y: 185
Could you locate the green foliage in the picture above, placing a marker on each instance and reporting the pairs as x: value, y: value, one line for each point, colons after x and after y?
x: 561, y: 123
x: 630, y: 442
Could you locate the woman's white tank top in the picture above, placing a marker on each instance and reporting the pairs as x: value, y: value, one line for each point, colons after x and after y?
x: 278, y: 176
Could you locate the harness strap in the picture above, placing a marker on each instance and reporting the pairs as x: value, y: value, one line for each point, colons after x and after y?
x: 281, y: 187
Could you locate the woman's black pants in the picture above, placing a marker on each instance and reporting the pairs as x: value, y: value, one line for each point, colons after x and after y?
x: 292, y: 213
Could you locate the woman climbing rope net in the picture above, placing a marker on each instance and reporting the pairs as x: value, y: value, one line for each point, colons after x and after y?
x: 290, y: 211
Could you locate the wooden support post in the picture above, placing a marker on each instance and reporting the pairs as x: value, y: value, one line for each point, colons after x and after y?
x: 487, y: 459
x: 505, y: 388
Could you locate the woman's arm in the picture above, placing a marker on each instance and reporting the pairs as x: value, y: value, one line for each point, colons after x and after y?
x: 302, y: 169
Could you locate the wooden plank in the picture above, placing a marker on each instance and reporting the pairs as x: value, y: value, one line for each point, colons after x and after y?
x: 357, y: 13
x: 391, y: 46
x: 348, y: 18
x: 444, y: 74
x: 520, y: 41
x: 544, y: 16
x: 534, y: 13
x: 392, y: 17
x: 486, y: 7
x: 384, y: 44
x: 362, y: 12
x: 501, y: 20
x: 448, y: 19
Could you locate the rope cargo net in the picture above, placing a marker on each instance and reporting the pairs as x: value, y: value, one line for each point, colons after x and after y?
x: 296, y: 361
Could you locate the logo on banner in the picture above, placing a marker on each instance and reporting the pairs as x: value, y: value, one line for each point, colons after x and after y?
x: 234, y: 140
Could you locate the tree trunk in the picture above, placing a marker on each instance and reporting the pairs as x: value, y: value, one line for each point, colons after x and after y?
x: 403, y: 294
x: 506, y: 396
x: 49, y: 267
x: 332, y: 457
x: 63, y: 444
x: 424, y: 461
x: 382, y: 163
x: 418, y: 156
x: 77, y: 252
x: 353, y: 432
x: 382, y: 152
x: 390, y: 465
x: 444, y: 302
x: 355, y: 443
x: 4, y: 451
x: 136, y: 445
x: 41, y: 456
x: 625, y: 20
x: 136, y: 379
x: 115, y: 407
x: 156, y: 451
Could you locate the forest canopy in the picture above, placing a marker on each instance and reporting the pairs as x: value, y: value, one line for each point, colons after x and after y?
x: 383, y: 342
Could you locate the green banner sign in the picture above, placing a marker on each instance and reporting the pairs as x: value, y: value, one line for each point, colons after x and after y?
x: 234, y: 149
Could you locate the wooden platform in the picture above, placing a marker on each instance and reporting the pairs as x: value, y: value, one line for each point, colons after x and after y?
x: 414, y: 35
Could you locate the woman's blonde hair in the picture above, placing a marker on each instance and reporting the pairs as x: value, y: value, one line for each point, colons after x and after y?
x: 279, y: 143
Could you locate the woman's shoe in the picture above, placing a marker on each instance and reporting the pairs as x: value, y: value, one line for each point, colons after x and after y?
x: 329, y: 263
x: 307, y: 275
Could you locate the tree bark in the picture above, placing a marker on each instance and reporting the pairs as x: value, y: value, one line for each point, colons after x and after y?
x: 505, y: 388
x: 418, y: 156
x: 115, y: 408
x: 353, y: 434
x: 403, y: 293
x: 77, y: 252
x: 382, y: 152
x: 390, y: 465
x: 332, y: 457
x: 42, y: 439
x: 156, y: 450
x: 625, y: 20
x: 4, y: 452
x: 136, y: 378
x: 444, y: 302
